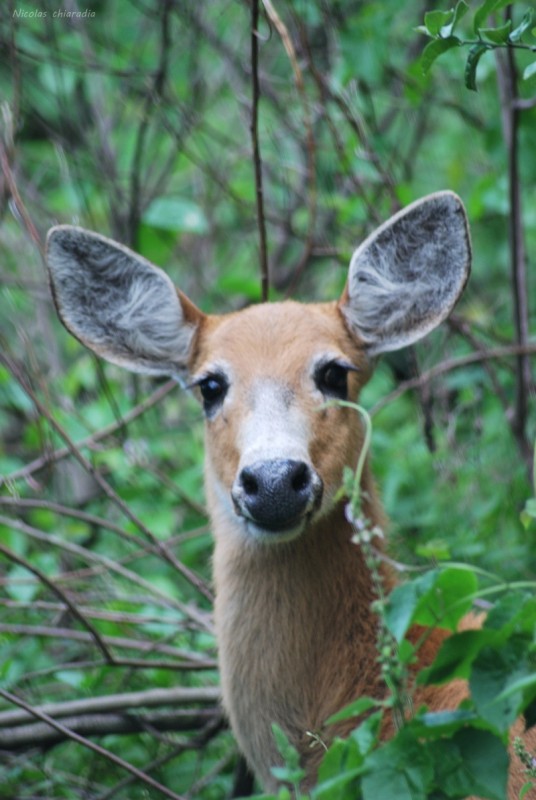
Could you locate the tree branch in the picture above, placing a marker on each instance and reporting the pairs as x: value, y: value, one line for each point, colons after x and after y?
x: 452, y: 364
x: 112, y: 495
x: 257, y: 165
x: 66, y: 733
x: 508, y: 91
x: 151, y: 698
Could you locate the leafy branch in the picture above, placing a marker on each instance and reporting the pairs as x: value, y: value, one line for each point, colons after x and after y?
x: 441, y: 27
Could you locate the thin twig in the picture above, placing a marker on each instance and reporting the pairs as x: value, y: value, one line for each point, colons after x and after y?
x: 190, y: 660
x: 161, y: 548
x: 290, y: 50
x: 151, y: 698
x: 152, y: 99
x: 73, y: 608
x: 212, y: 729
x: 69, y: 734
x: 109, y: 564
x: 257, y: 163
x: 448, y: 366
x: 17, y: 200
x: 40, y: 734
x: 92, y: 440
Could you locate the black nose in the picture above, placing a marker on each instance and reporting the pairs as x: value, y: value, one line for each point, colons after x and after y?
x: 276, y: 494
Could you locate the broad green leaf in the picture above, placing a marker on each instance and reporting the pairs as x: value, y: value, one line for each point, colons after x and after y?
x: 340, y: 767
x: 485, y: 759
x: 436, y: 48
x: 354, y: 709
x: 475, y: 54
x: 496, y: 670
x: 449, y: 600
x: 439, y: 597
x: 455, y: 657
x: 403, y: 601
x: 514, y: 612
x: 402, y: 768
x: 484, y: 11
x: 497, y: 35
x: 526, y: 682
x: 459, y: 12
x: 523, y: 26
x: 366, y: 734
x: 442, y: 723
x: 435, y: 20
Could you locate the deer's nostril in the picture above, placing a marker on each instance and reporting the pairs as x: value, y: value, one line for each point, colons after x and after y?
x: 301, y: 478
x: 250, y: 483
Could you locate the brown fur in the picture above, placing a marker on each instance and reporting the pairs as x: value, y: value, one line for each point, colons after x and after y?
x: 294, y: 623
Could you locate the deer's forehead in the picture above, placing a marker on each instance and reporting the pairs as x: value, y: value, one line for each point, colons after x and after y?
x: 276, y: 339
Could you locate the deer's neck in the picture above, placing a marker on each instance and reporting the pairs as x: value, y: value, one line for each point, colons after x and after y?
x: 295, y: 632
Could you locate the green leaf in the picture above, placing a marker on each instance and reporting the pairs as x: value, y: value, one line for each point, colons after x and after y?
x: 455, y: 657
x: 496, y: 670
x: 439, y: 597
x: 403, y: 601
x: 525, y: 790
x: 176, y: 214
x: 515, y: 612
x: 337, y: 774
x: 354, y: 709
x: 497, y: 35
x: 523, y: 26
x: 366, y: 734
x: 529, y: 512
x: 484, y: 11
x: 401, y: 769
x: 436, y: 48
x: 459, y: 12
x: 526, y: 682
x: 475, y: 54
x: 473, y: 762
x: 439, y: 724
x: 435, y: 20
x: 449, y: 600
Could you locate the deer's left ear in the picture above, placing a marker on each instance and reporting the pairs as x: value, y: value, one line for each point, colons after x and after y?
x: 407, y: 276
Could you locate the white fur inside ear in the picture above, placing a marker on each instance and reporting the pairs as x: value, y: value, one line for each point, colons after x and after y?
x: 406, y: 277
x: 117, y: 303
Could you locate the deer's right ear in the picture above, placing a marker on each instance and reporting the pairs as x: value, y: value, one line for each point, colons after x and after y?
x: 118, y: 304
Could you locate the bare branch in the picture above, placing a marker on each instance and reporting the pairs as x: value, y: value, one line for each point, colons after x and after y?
x: 190, y: 660
x: 93, y: 439
x: 257, y: 164
x: 508, y: 91
x: 41, y: 734
x: 449, y: 366
x: 69, y: 734
x: 160, y: 546
x: 152, y: 698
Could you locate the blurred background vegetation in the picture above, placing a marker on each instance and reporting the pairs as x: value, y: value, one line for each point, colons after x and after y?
x: 133, y: 118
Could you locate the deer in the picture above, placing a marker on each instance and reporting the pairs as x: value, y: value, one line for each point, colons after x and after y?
x: 294, y: 619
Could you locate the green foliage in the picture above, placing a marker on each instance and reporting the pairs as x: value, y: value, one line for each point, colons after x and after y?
x: 442, y: 28
x: 134, y: 121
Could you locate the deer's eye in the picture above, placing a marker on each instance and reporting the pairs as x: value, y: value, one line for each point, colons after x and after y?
x: 332, y: 379
x: 213, y: 389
